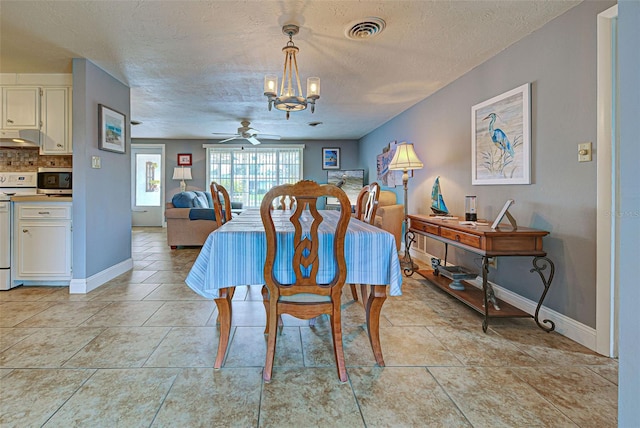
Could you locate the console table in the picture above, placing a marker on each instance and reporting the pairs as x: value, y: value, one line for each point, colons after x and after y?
x: 488, y: 243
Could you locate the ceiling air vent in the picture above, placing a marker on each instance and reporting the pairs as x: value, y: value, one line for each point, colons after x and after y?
x: 365, y: 28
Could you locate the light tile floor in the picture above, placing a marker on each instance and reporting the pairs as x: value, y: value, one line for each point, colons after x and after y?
x: 139, y: 351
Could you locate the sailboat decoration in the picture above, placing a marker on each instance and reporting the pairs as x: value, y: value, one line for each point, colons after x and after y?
x: 437, y: 201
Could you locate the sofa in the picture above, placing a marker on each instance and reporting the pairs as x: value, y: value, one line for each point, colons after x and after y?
x: 191, y: 218
x: 390, y: 215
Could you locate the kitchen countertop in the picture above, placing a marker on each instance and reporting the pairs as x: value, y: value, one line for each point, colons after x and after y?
x: 42, y: 198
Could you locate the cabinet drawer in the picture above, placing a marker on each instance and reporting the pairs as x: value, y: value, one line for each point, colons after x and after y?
x: 463, y: 238
x: 44, y: 212
x: 425, y: 227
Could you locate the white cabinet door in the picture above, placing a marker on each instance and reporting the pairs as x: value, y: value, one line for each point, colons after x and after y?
x: 20, y: 107
x: 56, y: 125
x: 44, y: 250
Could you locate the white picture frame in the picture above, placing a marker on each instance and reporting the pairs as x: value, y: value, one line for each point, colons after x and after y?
x: 502, y: 213
x: 501, y: 138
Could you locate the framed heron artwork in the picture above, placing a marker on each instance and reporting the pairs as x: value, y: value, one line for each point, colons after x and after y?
x: 501, y: 138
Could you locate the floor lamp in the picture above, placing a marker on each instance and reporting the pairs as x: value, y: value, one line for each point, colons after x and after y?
x: 405, y: 160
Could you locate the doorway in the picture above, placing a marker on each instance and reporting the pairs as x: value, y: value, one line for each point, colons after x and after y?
x: 608, y: 191
x: 147, y: 184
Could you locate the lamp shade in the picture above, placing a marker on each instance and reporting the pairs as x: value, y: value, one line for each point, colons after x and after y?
x: 405, y: 158
x: 181, y: 173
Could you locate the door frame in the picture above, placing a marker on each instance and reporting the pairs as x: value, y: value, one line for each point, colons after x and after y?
x: 162, y: 148
x: 607, y: 236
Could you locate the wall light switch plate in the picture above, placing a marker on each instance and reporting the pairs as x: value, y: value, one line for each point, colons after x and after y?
x: 584, y: 152
x: 95, y: 162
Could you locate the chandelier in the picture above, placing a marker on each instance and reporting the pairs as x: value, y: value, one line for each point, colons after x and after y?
x: 290, y: 97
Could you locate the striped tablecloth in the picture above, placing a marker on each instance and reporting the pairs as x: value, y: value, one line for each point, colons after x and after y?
x: 234, y: 254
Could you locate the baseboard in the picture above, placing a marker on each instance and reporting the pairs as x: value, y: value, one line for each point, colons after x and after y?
x: 566, y: 326
x: 85, y: 285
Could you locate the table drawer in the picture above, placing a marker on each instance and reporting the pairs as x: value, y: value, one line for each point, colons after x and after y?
x: 425, y: 227
x: 463, y: 238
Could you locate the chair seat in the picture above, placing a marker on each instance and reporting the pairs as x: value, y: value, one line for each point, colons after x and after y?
x: 305, y: 298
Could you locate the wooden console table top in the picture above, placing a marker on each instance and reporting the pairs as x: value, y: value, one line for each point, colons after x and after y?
x: 503, y: 241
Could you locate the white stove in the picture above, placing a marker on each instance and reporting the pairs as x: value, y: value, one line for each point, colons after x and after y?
x: 11, y: 183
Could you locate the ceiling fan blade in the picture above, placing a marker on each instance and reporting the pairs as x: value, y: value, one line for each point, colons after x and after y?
x: 228, y: 139
x: 268, y: 136
x: 253, y: 140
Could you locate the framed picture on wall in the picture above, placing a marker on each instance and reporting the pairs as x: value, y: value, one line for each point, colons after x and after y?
x: 184, y: 159
x: 330, y: 158
x: 351, y: 181
x: 501, y: 139
x: 112, y: 130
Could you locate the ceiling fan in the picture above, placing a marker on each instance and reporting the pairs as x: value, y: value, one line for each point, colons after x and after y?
x: 247, y: 133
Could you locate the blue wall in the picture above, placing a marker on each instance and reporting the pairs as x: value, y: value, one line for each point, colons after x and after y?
x: 101, y: 197
x: 559, y: 61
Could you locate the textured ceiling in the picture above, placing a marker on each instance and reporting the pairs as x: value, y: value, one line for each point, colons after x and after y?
x: 197, y: 67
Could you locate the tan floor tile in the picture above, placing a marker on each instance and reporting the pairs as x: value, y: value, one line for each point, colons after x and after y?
x: 119, y: 347
x: 124, y: 314
x: 609, y: 372
x: 31, y: 397
x: 403, y: 397
x: 125, y: 292
x: 117, y: 398
x: 13, y: 313
x: 410, y: 312
x: 189, y: 313
x: 61, y: 294
x: 26, y: 294
x: 497, y: 397
x: 248, y: 348
x: 414, y: 346
x: 179, y: 291
x: 585, y: 397
x: 246, y: 314
x: 166, y: 265
x: 304, y: 397
x: 65, y: 314
x: 135, y: 277
x: 11, y: 336
x: 165, y: 277
x: 550, y: 348
x: 50, y: 347
x: 186, y: 347
x: 474, y: 347
x: 225, y: 398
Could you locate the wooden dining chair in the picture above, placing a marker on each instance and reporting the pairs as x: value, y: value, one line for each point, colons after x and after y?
x: 366, y: 208
x: 222, y: 214
x: 285, y: 202
x: 301, y: 294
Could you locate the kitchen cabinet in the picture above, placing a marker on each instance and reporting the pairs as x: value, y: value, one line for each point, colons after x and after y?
x: 42, y: 234
x: 55, y: 138
x: 21, y: 107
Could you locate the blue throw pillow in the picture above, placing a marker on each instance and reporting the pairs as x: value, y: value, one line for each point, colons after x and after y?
x: 183, y: 200
x: 209, y: 199
x: 200, y: 201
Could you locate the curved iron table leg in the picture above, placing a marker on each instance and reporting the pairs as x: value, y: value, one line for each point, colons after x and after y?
x: 539, y: 265
x: 406, y: 263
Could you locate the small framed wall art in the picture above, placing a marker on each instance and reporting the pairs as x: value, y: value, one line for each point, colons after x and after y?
x: 330, y: 158
x: 112, y: 130
x: 184, y: 159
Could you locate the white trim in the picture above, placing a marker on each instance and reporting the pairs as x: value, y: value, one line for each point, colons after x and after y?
x: 565, y: 326
x: 606, y: 239
x: 85, y: 285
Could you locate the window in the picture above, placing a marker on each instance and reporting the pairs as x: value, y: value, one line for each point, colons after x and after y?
x: 249, y: 172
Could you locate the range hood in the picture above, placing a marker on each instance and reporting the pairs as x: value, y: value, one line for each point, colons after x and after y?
x: 25, y: 138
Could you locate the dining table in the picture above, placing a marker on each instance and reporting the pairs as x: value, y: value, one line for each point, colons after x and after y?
x: 234, y: 255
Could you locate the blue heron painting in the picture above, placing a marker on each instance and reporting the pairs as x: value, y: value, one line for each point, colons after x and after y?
x: 498, y: 136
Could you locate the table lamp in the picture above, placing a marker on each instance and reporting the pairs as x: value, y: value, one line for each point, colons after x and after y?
x: 405, y: 160
x: 181, y: 173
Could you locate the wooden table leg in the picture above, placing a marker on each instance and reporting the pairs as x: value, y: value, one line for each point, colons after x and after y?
x: 224, y: 317
x: 374, y: 305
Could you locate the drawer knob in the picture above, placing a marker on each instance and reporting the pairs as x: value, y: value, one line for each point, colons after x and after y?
x: 458, y: 238
x: 25, y: 230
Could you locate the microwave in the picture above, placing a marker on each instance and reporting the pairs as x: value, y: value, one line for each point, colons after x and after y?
x: 54, y: 181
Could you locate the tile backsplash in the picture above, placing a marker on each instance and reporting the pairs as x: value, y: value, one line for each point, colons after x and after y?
x: 25, y: 160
